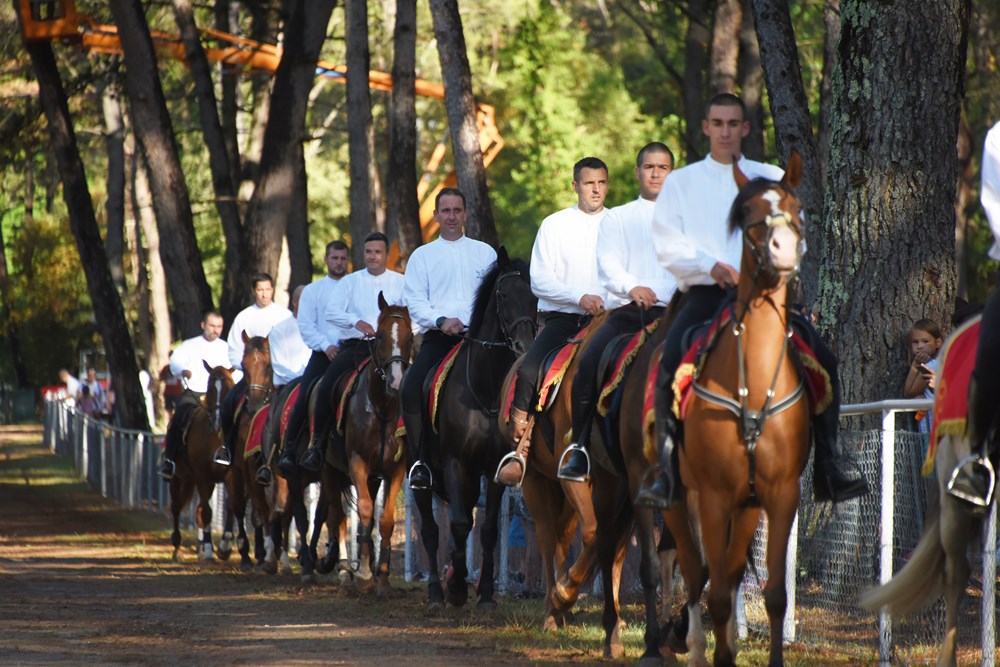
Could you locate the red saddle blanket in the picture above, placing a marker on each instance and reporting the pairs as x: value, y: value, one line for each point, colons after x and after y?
x: 345, y: 395
x: 553, y: 375
x: 817, y: 381
x: 440, y: 375
x: 286, y: 412
x: 621, y: 366
x: 951, y: 396
x: 649, y: 407
x: 256, y: 432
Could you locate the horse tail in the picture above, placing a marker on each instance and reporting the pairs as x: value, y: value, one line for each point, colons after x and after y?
x: 920, y: 581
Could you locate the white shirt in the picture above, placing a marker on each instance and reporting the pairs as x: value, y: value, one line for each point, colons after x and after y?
x: 691, y: 218
x: 289, y: 353
x: 316, y: 331
x: 564, y: 260
x: 990, y: 196
x: 442, y: 278
x: 626, y: 256
x: 256, y: 321
x: 356, y: 299
x: 189, y: 356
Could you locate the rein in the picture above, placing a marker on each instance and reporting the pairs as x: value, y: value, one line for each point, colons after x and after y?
x: 506, y: 330
x: 381, y: 371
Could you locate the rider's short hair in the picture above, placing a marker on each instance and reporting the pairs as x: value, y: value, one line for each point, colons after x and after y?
x: 654, y: 147
x: 337, y: 245
x: 378, y: 236
x: 726, y: 100
x: 588, y: 163
x: 261, y: 276
x: 454, y: 192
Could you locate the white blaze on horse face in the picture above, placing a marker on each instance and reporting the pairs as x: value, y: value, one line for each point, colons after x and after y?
x: 396, y: 368
x: 782, y: 241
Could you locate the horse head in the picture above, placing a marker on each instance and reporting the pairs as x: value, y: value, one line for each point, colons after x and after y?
x: 505, y: 309
x: 393, y: 344
x: 257, y: 371
x: 220, y: 381
x: 769, y: 216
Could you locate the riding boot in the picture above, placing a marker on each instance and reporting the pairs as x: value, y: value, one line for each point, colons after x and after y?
x: 264, y: 476
x: 973, y: 479
x: 574, y: 464
x: 513, y: 465
x: 420, y: 476
x: 829, y: 482
x: 665, y: 489
x: 166, y: 468
x: 313, y: 459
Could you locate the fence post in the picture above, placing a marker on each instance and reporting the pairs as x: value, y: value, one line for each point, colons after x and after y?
x: 408, y: 526
x: 885, y: 556
x: 989, y: 587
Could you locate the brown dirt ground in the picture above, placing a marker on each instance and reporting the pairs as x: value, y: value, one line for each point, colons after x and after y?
x: 84, y: 582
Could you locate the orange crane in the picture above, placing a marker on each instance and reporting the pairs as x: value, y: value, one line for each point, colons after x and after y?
x: 58, y: 20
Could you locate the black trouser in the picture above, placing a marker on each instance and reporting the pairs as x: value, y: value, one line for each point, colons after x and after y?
x: 987, y: 371
x: 352, y: 352
x: 435, y: 347
x: 318, y: 363
x: 625, y: 320
x: 558, y: 329
x: 187, y: 403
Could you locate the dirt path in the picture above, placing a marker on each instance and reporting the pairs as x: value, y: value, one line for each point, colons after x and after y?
x: 82, y: 582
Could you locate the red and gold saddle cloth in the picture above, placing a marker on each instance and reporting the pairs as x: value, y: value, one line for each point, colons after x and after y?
x: 440, y: 375
x: 286, y: 412
x: 621, y: 365
x: 256, y: 433
x: 552, y: 378
x: 345, y: 396
x: 817, y: 381
x: 951, y: 396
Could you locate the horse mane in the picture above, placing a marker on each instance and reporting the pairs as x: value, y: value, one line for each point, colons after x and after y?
x: 485, y: 291
x: 737, y: 214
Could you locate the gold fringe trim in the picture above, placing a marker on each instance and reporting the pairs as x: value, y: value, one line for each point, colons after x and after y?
x: 623, y: 366
x: 449, y: 362
x: 682, y: 370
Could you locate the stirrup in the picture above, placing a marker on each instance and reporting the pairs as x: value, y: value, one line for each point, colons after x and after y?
x: 430, y: 476
x: 562, y: 462
x: 222, y: 456
x: 167, y: 469
x: 507, y: 458
x: 975, y: 464
x: 264, y: 476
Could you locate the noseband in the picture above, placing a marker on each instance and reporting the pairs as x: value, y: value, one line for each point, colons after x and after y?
x: 760, y: 256
x: 381, y: 368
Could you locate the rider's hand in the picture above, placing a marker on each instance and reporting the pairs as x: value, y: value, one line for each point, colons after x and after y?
x: 592, y: 304
x: 725, y: 275
x: 331, y: 352
x: 452, y: 326
x: 186, y: 374
x: 365, y: 328
x: 643, y: 297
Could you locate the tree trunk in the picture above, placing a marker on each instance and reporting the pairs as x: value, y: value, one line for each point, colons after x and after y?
x: 108, y: 312
x: 114, y: 142
x: 725, y: 47
x: 461, y: 106
x: 153, y: 129
x: 297, y: 234
x: 228, y: 100
x: 220, y: 163
x: 889, y: 248
x: 695, y: 65
x: 359, y: 126
x: 403, y: 216
x: 273, y: 195
x: 963, y: 198
x: 831, y: 38
x: 752, y: 86
x: 10, y: 329
x: 792, y: 125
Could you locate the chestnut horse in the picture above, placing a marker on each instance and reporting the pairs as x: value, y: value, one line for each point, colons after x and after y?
x: 746, y: 428
x: 195, y: 465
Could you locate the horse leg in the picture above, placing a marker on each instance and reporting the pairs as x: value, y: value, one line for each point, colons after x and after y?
x: 489, y: 534
x: 319, y: 519
x: 957, y: 530
x: 613, y: 516
x: 366, y: 516
x: 225, y: 548
x: 429, y: 536
x: 567, y: 589
x: 204, y: 519
x: 177, y: 503
x: 542, y: 495
x: 743, y: 524
x: 387, y: 524
x: 463, y: 497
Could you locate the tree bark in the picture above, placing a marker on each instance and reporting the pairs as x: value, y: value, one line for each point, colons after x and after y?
x: 888, y: 250
x: 154, y: 130
x: 114, y: 142
x: 722, y: 68
x: 108, y: 312
x: 752, y: 86
x: 461, y: 106
x: 266, y: 219
x: 11, y: 331
x: 792, y: 125
x: 695, y: 65
x: 831, y: 38
x: 403, y: 215
x: 297, y: 234
x: 359, y: 127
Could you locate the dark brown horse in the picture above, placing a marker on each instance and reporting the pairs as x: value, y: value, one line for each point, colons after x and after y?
x: 746, y: 430
x: 195, y: 465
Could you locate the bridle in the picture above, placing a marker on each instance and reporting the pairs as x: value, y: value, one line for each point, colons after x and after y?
x: 266, y: 389
x: 381, y: 368
x: 506, y: 329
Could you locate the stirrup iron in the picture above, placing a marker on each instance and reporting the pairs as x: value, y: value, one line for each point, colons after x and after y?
x: 222, y: 457
x: 430, y: 474
x: 562, y: 462
x: 974, y: 463
x: 507, y: 458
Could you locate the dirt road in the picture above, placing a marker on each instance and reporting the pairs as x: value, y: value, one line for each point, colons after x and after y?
x: 82, y: 582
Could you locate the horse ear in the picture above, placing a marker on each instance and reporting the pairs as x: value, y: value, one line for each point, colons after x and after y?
x: 502, y: 257
x: 382, y: 303
x: 793, y: 171
x: 207, y: 367
x: 741, y: 178
x: 246, y: 338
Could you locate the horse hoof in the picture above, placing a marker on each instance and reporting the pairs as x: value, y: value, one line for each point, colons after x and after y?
x: 224, y: 553
x: 324, y: 566
x: 365, y: 586
x: 268, y: 567
x: 550, y: 624
x: 562, y: 599
x: 487, y: 606
x: 615, y: 651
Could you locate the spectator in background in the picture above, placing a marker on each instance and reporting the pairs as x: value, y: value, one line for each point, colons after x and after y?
x: 925, y: 341
x: 97, y: 391
x: 72, y: 386
x: 87, y: 404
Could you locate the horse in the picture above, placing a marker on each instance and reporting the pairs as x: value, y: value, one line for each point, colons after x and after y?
x: 557, y: 505
x: 195, y: 465
x: 268, y: 503
x: 746, y: 427
x: 371, y: 451
x: 501, y: 328
x: 939, y: 564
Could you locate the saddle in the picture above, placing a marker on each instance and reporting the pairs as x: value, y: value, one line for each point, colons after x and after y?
x: 615, y: 362
x: 255, y: 436
x: 346, y: 390
x: 434, y: 383
x: 551, y: 372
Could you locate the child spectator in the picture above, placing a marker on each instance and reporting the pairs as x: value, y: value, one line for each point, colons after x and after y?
x: 925, y: 341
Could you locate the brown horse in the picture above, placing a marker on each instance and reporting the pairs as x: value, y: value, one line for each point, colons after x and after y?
x: 195, y: 465
x: 746, y: 430
x: 370, y: 446
x: 268, y: 503
x: 939, y: 564
x: 556, y: 505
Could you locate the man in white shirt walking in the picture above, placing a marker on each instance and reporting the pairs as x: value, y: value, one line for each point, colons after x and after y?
x: 353, y: 308
x: 638, y: 292
x: 694, y: 242
x: 440, y: 286
x: 188, y: 362
x: 322, y: 339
